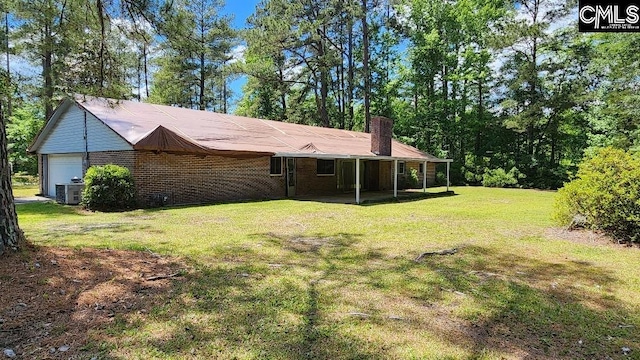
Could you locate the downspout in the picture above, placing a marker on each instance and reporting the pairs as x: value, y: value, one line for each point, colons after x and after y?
x: 86, y: 147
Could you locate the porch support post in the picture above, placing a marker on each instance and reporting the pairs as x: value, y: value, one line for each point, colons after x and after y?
x: 395, y: 178
x: 424, y: 177
x: 448, y: 163
x: 357, y: 181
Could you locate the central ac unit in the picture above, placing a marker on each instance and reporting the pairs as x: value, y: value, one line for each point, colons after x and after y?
x: 70, y: 194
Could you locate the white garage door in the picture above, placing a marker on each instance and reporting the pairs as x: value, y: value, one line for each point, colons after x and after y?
x: 62, y: 168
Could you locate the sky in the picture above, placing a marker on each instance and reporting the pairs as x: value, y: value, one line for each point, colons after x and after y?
x: 240, y: 10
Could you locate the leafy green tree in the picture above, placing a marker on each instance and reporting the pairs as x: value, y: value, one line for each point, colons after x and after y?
x: 195, y: 53
x: 22, y: 128
x: 614, y: 105
x: 303, y: 51
x: 44, y: 28
x: 446, y: 86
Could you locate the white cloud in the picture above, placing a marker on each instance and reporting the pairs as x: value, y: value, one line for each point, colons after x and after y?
x: 237, y: 54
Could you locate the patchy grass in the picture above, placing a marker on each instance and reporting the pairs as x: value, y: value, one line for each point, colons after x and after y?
x: 292, y: 279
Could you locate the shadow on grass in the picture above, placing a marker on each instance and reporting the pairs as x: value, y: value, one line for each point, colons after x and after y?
x: 480, y: 303
x: 539, y: 309
x: 50, y: 209
x: 408, y: 197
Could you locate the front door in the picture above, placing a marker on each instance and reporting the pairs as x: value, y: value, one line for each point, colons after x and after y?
x: 291, y: 177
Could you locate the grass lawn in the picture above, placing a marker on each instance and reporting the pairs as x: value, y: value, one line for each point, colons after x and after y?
x: 300, y: 279
x: 24, y: 190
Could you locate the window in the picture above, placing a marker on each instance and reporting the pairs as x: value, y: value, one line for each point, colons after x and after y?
x: 276, y: 166
x: 400, y: 167
x: 421, y: 169
x: 326, y: 167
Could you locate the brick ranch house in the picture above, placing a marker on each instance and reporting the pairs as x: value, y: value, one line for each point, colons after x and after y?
x: 183, y: 156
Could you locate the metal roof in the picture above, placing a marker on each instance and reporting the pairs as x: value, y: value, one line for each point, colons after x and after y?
x: 167, y: 128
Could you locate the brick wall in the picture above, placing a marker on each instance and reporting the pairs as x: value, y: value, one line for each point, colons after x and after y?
x: 42, y: 175
x: 308, y: 181
x: 431, y: 174
x: 122, y: 158
x: 386, y: 175
x: 381, y: 135
x: 186, y: 179
x: 190, y: 179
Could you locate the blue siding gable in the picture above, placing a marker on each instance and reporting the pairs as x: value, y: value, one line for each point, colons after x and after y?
x: 67, y: 136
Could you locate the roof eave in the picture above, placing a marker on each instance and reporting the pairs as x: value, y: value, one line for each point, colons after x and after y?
x: 363, y: 157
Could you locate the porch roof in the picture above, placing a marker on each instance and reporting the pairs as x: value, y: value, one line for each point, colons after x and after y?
x: 427, y: 158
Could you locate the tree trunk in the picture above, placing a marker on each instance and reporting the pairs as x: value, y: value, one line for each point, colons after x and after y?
x: 47, y: 71
x: 224, y: 95
x: 365, y: 66
x: 6, y: 34
x: 146, y: 71
x: 12, y: 236
x: 201, y: 102
x: 103, y: 40
x: 350, y: 78
x: 324, y: 80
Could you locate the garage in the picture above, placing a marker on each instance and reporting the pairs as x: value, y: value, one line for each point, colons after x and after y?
x: 61, y: 169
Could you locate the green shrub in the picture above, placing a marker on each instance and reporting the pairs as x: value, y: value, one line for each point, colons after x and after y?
x: 414, y: 179
x: 474, y: 168
x: 605, y: 193
x: 441, y: 178
x: 500, y: 178
x: 108, y: 188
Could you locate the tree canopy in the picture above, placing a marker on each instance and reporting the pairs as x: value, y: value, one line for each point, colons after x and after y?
x: 492, y: 84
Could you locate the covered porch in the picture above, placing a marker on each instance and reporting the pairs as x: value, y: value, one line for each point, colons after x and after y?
x: 363, y: 178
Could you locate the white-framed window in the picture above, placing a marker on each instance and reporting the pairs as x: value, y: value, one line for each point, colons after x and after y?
x: 401, y: 166
x: 325, y: 167
x: 276, y: 166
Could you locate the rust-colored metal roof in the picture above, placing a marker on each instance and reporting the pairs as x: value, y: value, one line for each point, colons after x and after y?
x: 167, y: 128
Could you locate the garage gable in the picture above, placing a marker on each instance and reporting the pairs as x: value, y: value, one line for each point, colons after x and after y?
x: 66, y: 134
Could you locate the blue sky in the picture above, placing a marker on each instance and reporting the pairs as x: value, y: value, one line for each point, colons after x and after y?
x: 241, y: 10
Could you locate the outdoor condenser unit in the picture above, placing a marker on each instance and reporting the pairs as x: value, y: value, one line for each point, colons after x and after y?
x: 70, y: 194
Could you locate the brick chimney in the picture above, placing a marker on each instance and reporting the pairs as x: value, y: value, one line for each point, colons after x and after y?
x: 381, y: 133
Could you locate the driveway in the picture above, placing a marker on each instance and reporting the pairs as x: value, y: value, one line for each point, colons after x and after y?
x: 31, y: 199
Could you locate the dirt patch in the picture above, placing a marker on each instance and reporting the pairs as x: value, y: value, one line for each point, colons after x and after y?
x: 52, y: 299
x: 584, y: 236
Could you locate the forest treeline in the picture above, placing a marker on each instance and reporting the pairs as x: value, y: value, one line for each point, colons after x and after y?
x: 500, y: 87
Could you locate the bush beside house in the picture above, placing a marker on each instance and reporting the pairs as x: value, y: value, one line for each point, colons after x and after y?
x: 108, y: 188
